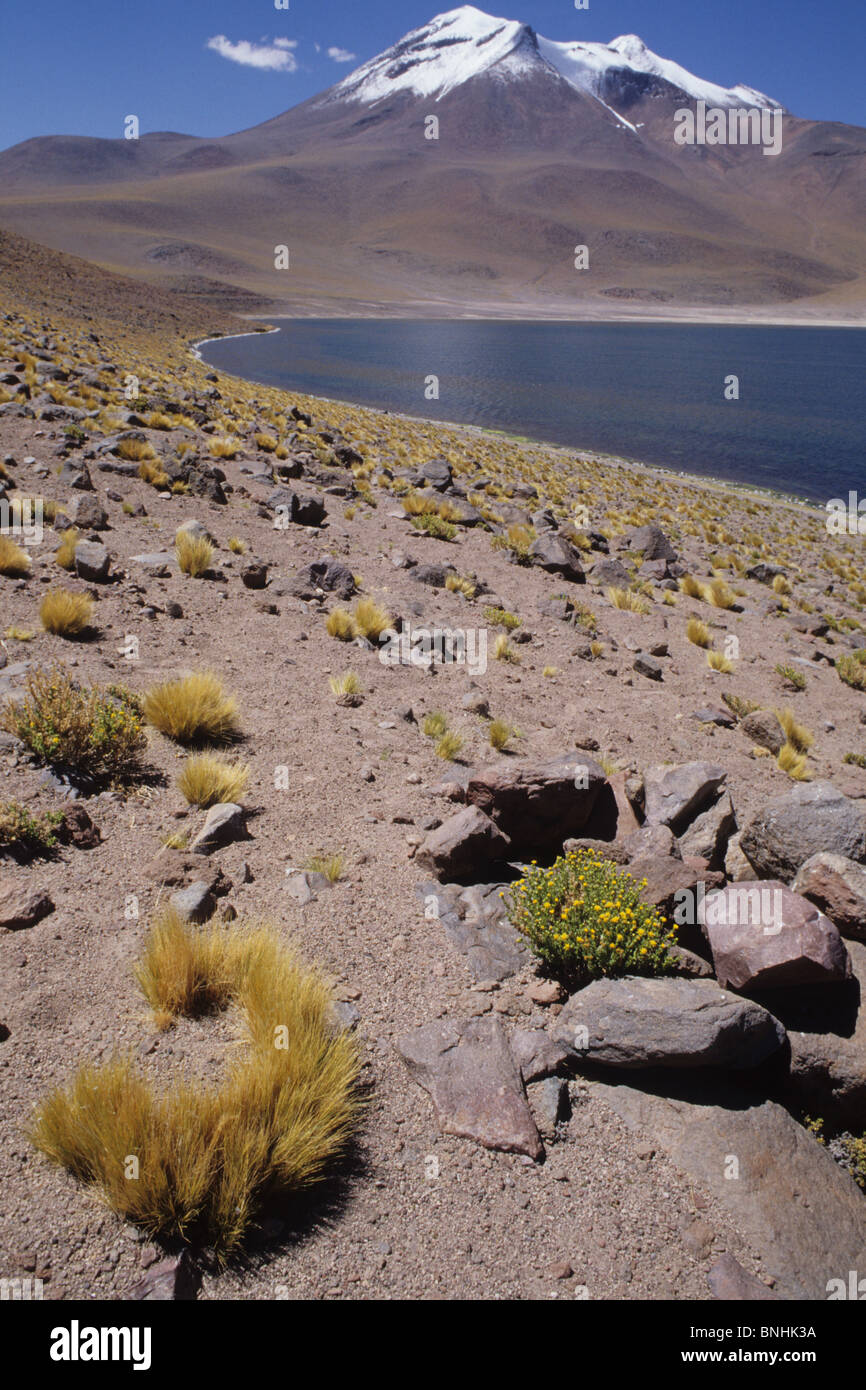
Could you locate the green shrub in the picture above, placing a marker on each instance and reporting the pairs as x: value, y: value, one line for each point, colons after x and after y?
x: 84, y: 730
x: 500, y: 617
x: 31, y: 833
x: 852, y: 669
x: 584, y: 918
x: 434, y: 526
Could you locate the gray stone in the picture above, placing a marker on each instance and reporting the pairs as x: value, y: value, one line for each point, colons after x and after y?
x: 828, y: 1051
x: 92, y: 562
x: 807, y: 820
x: 472, y: 1078
x: 476, y: 924
x: 636, y: 1022
x: 328, y: 575
x: 674, y: 795
x: 554, y: 554
x: 548, y: 1101
x: 646, y: 665
x: 789, y: 1200
x: 536, y: 1053
x: 651, y: 541
x: 87, y: 513
x: 223, y: 824
x: 254, y: 575
x: 303, y: 887
x: 169, y: 1281
x: 708, y: 834
x: 196, y: 530
x: 764, y: 729
x: 610, y: 572
x: 195, y: 903
x: 764, y: 573
x: 764, y: 936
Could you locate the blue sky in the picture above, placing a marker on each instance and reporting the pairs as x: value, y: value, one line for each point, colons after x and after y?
x: 81, y: 66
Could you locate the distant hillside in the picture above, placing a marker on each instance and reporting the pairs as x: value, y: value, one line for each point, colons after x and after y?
x: 542, y: 147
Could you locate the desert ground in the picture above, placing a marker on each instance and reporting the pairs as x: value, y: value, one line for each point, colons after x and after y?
x: 696, y: 646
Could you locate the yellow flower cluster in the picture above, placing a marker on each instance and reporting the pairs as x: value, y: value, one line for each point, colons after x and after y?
x: 584, y: 917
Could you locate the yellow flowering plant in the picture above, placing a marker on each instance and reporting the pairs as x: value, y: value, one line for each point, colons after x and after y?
x: 584, y: 918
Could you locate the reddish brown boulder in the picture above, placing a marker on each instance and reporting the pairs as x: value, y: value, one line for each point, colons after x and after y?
x: 764, y: 936
x: 462, y: 843
x: 538, y: 805
x: 838, y: 886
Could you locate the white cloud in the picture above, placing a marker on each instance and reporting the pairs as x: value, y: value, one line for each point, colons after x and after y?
x: 275, y: 57
x: 341, y: 55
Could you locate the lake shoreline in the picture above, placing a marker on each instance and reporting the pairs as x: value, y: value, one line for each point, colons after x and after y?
x: 709, y: 481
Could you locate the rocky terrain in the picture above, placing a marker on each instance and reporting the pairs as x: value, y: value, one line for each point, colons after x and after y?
x: 661, y: 669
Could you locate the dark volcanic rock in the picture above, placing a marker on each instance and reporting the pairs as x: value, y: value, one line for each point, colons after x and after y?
x: 807, y: 820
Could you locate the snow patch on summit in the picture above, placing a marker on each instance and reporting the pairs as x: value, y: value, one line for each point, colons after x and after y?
x: 463, y: 43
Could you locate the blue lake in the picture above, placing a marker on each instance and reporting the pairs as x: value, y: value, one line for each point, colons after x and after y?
x: 650, y: 392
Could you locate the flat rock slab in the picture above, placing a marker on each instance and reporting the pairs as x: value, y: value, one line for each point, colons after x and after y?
x: 764, y: 936
x: 729, y: 1282
x: 636, y: 1022
x: 475, y: 922
x: 674, y: 795
x: 794, y: 1205
x: 476, y: 1088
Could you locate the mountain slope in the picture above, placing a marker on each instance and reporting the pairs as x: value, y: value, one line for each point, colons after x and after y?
x: 542, y: 147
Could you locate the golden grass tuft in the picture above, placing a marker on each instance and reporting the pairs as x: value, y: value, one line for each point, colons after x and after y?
x: 207, y: 779
x: 449, y: 746
x: 225, y: 448
x: 625, y: 599
x: 347, y: 684
x: 500, y: 734
x: 331, y: 865
x: 690, y: 586
x: 237, y: 546
x: 718, y: 593
x: 14, y: 562
x: 135, y: 450
x: 65, y: 552
x: 698, y: 632
x: 781, y: 585
x: 154, y: 474
x: 503, y: 650
x: 194, y: 554
x: 799, y: 737
x: 266, y: 442
x: 434, y: 724
x: 370, y: 619
x: 65, y: 614
x: 459, y: 584
x: 717, y: 661
x: 339, y: 624
x: 194, y: 709
x: 210, y: 1157
x: 793, y: 762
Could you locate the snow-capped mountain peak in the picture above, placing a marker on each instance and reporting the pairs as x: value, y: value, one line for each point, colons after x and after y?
x: 461, y: 44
